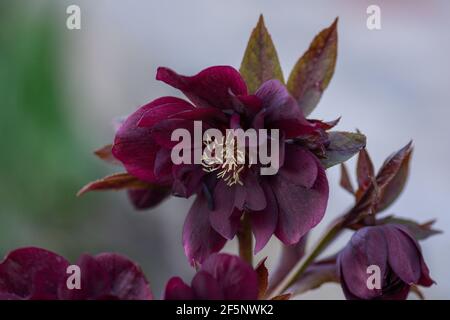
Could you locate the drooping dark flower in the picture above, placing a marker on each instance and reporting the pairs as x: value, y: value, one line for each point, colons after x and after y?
x: 394, y: 251
x: 108, y: 276
x: 37, y: 274
x: 31, y: 274
x: 221, y: 277
x: 287, y: 204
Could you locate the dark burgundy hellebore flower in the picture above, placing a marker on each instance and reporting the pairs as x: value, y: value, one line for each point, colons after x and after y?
x: 390, y: 247
x: 221, y: 277
x: 287, y: 204
x: 37, y: 274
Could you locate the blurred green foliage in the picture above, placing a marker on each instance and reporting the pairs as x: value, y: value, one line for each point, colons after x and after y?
x: 42, y: 164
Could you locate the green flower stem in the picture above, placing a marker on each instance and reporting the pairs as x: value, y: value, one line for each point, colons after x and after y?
x: 301, y: 267
x: 245, y: 240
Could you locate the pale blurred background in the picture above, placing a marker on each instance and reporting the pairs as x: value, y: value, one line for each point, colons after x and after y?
x: 61, y: 89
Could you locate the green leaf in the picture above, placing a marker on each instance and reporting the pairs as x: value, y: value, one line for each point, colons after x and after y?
x: 365, y: 172
x: 316, y: 275
x: 260, y: 62
x: 343, y: 146
x: 420, y: 231
x: 392, y: 176
x: 290, y: 255
x: 117, y: 181
x: 313, y: 71
x: 345, y: 181
x: 385, y: 188
x: 263, y: 278
x: 105, y: 153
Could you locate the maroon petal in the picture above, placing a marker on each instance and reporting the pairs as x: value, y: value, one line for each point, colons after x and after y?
x: 163, y: 165
x: 31, y: 274
x: 187, y: 179
x: 135, y: 147
x: 163, y: 112
x: 404, y: 257
x: 237, y: 278
x: 300, y: 166
x: 425, y: 279
x: 255, y: 199
x: 220, y: 216
x: 282, y: 111
x: 300, y: 208
x: 162, y: 132
x: 367, y: 247
x: 148, y: 198
x: 203, y: 114
x: 199, y: 239
x: 251, y: 102
x: 206, y: 287
x: 176, y: 289
x: 264, y: 222
x: 109, y: 276
x: 209, y: 88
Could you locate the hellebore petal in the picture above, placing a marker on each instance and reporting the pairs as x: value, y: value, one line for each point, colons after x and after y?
x: 148, y: 198
x: 31, y: 274
x: 300, y: 166
x: 176, y: 289
x: 162, y: 131
x: 109, y: 276
x: 260, y: 62
x: 187, y: 179
x: 281, y: 110
x: 249, y: 104
x: 229, y: 203
x: 222, y: 276
x: 163, y: 164
x: 235, y: 277
x: 206, y: 287
x: 390, y: 247
x: 208, y: 113
x: 313, y: 71
x: 163, y: 112
x: 300, y: 207
x: 199, y: 239
x: 135, y: 147
x: 209, y: 88
x: 404, y: 257
x: 264, y: 222
x: 367, y: 247
x: 255, y: 199
x: 223, y: 209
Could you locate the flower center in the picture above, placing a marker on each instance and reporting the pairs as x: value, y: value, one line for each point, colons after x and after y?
x: 224, y: 157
